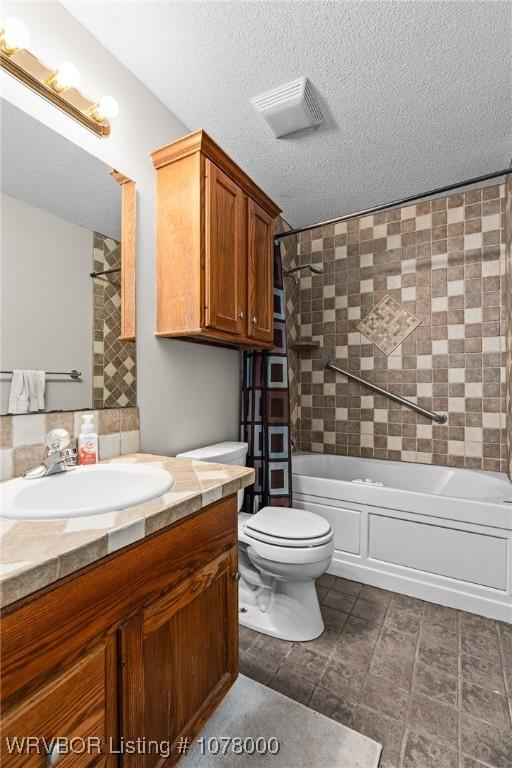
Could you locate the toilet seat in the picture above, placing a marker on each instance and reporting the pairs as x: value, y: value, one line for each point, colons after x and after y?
x: 293, y: 555
x: 285, y: 527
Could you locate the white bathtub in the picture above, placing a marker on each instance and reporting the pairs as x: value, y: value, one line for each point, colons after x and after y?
x: 436, y: 533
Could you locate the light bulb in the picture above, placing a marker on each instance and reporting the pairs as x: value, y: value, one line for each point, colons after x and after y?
x: 15, y: 36
x: 66, y: 76
x: 107, y: 108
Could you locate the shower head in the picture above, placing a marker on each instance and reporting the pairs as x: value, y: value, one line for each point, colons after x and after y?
x: 292, y: 272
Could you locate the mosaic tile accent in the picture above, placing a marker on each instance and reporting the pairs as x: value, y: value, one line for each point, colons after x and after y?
x: 22, y: 437
x: 113, y: 360
x: 508, y: 322
x: 388, y: 325
x: 444, y: 261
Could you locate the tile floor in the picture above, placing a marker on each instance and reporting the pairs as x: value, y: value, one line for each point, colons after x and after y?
x: 432, y: 684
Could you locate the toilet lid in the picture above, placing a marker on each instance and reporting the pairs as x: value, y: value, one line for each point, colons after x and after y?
x: 288, y: 524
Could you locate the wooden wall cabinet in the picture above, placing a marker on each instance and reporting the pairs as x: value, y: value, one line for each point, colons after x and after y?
x: 143, y: 644
x: 214, y: 247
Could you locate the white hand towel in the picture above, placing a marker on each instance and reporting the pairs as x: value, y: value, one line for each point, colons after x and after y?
x: 36, y: 385
x: 18, y: 393
x: 26, y: 394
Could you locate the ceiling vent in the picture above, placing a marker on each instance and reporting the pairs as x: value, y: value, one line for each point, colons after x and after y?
x: 289, y: 108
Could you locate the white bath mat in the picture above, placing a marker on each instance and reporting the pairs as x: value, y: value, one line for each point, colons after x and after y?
x: 305, y: 739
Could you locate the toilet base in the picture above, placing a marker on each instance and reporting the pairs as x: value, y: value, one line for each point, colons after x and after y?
x: 290, y: 611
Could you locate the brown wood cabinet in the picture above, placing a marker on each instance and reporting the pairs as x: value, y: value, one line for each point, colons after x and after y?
x: 143, y: 645
x: 214, y: 247
x: 128, y: 250
x: 261, y: 273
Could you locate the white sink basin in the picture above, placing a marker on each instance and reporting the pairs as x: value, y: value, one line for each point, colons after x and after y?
x: 83, y: 491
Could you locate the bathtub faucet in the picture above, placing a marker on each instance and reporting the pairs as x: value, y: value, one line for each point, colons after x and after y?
x: 369, y: 481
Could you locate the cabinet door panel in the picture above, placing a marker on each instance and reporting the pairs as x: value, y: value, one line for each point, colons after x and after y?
x: 74, y: 705
x: 189, y: 656
x: 260, y: 273
x: 224, y: 252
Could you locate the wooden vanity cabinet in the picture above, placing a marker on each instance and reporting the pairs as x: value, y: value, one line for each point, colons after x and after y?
x: 214, y: 247
x: 143, y: 644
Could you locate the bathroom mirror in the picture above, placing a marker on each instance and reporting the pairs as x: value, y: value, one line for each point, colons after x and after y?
x: 61, y: 221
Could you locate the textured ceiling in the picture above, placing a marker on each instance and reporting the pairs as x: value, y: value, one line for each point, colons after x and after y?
x: 44, y: 169
x: 416, y: 94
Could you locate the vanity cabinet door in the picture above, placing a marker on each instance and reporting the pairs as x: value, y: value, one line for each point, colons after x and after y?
x: 260, y: 273
x: 224, y: 253
x: 179, y: 658
x: 73, y: 707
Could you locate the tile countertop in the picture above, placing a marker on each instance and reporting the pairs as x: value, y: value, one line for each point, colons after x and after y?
x: 34, y: 554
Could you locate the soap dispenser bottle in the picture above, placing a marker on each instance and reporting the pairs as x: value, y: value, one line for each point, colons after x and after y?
x: 87, y: 441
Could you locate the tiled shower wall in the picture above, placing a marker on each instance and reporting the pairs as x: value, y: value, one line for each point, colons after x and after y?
x: 444, y: 262
x: 113, y: 360
x: 508, y: 290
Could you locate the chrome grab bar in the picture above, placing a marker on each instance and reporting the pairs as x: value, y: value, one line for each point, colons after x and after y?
x: 440, y: 418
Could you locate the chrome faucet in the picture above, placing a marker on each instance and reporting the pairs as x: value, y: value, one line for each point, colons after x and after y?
x: 58, y: 457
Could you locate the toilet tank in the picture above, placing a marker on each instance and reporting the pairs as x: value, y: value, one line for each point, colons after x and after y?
x: 221, y: 453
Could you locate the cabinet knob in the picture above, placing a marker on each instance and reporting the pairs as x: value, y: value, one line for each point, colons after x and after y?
x: 255, y: 319
x: 55, y: 755
x: 236, y: 576
x: 241, y: 315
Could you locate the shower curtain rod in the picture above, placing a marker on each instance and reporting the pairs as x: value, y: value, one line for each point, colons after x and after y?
x: 395, y: 204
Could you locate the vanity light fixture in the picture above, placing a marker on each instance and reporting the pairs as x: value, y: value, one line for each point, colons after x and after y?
x: 106, y: 109
x: 14, y: 36
x: 66, y: 76
x: 59, y: 86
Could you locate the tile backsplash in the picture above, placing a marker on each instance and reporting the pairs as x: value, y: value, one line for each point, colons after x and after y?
x: 443, y: 262
x: 22, y: 437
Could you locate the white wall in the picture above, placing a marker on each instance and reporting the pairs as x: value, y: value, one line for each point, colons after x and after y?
x: 188, y: 394
x: 45, y: 301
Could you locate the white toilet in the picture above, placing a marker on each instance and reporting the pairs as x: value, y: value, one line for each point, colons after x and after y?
x: 281, y: 552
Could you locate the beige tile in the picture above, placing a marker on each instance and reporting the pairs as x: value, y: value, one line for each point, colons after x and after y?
x: 27, y: 456
x: 81, y: 555
x: 129, y: 419
x: 5, y: 431
x: 6, y: 463
x: 109, y: 446
x: 28, y: 429
x: 60, y: 420
x: 23, y: 582
x: 109, y: 421
x: 130, y: 442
